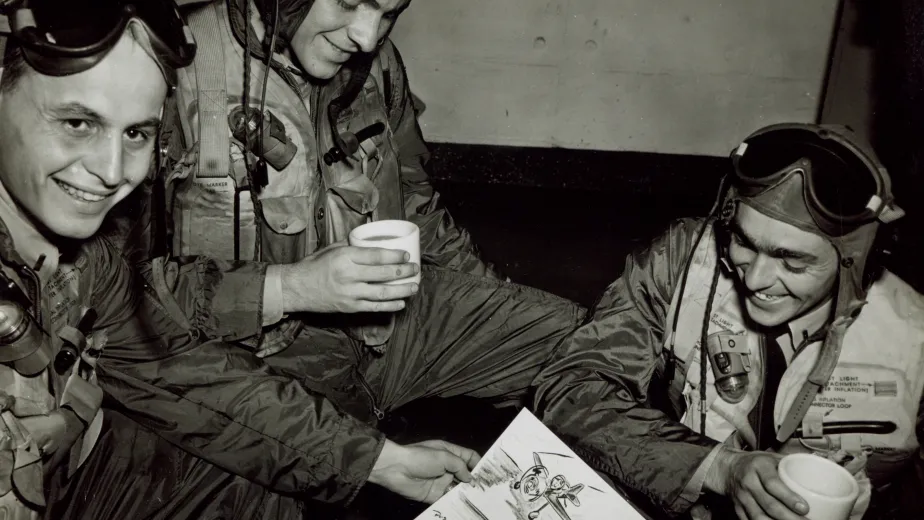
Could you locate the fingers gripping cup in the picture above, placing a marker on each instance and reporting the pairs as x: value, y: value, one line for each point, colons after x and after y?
x: 829, y: 490
x: 391, y: 234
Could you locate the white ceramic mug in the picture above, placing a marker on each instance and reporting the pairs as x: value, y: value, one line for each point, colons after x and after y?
x: 829, y: 490
x: 390, y: 234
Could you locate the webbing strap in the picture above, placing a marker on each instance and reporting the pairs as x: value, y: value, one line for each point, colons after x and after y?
x: 212, y: 94
x: 817, y: 379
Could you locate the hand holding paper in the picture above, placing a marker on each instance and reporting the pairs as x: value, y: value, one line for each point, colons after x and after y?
x: 424, y: 471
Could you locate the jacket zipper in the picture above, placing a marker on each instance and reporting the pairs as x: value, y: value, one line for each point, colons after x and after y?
x: 379, y: 414
x: 312, y: 103
x: 34, y: 292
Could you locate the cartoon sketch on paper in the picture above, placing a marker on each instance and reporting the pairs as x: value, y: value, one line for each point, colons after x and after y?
x: 520, y: 491
x: 536, y: 484
x: 530, y: 474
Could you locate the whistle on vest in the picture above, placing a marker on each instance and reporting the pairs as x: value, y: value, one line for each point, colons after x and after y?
x: 731, y: 363
x: 277, y: 149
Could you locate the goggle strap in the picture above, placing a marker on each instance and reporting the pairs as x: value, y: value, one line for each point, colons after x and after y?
x: 188, y: 34
x: 739, y: 152
x: 23, y: 18
x: 891, y: 213
x: 875, y: 202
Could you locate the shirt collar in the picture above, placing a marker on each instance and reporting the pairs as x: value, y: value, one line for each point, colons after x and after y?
x: 809, y: 324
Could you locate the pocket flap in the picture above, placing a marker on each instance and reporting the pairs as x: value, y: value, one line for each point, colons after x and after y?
x: 286, y: 215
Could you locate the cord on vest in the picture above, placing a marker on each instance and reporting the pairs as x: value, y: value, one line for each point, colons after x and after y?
x: 671, y: 363
x: 703, y: 358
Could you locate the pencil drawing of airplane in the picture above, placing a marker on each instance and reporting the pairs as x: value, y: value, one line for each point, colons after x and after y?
x: 535, y: 484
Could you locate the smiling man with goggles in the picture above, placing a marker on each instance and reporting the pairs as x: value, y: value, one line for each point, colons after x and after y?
x: 62, y: 37
x: 844, y: 185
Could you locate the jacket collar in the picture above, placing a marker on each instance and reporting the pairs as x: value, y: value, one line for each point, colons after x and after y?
x: 20, y: 242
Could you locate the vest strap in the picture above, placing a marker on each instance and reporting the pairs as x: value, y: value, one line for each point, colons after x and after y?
x: 212, y: 95
x: 81, y: 396
x: 817, y: 379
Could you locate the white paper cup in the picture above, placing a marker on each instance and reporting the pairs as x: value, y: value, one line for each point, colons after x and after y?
x: 829, y: 490
x: 390, y: 234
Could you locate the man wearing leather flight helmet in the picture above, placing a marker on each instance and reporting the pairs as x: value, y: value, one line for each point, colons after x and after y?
x: 810, y: 344
x: 79, y: 112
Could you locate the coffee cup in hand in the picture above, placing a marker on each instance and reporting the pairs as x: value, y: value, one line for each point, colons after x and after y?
x: 829, y: 490
x: 390, y: 234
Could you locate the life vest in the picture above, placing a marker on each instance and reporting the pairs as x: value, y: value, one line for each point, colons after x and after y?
x: 22, y: 463
x: 879, y: 375
x: 307, y: 204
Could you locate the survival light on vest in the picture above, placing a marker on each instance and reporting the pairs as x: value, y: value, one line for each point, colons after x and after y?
x: 728, y: 355
x: 264, y: 131
x: 22, y: 344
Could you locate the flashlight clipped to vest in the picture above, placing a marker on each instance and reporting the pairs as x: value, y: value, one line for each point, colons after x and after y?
x: 731, y: 363
x: 23, y: 345
x: 278, y: 150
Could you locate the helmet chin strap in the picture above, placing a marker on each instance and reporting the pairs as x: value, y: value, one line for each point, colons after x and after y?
x: 817, y: 379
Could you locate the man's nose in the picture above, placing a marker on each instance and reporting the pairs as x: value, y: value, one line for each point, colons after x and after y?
x: 105, y: 162
x: 364, y: 29
x: 760, y: 274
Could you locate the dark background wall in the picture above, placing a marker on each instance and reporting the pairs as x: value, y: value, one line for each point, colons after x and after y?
x: 875, y: 85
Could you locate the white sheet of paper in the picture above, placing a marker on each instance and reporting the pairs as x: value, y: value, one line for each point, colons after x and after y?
x: 530, y: 474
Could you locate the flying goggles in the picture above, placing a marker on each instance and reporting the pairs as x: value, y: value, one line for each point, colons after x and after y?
x: 62, y: 37
x: 844, y: 186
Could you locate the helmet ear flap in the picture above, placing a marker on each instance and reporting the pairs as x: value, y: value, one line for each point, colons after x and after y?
x: 885, y: 242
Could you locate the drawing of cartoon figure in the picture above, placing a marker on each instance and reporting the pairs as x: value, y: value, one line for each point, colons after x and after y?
x: 557, y: 492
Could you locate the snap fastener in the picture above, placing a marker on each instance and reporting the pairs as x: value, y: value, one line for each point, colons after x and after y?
x: 320, y: 213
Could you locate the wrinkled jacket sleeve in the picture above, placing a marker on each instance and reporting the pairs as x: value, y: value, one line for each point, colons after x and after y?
x: 442, y: 242
x: 595, y: 391
x: 913, y: 506
x: 214, y: 399
x: 901, y: 497
x: 218, y: 299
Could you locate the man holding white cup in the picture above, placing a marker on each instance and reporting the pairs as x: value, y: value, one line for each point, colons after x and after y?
x: 768, y: 328
x: 829, y: 490
x: 398, y: 235
x: 428, y: 332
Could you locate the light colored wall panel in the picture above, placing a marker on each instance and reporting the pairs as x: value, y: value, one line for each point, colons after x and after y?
x: 669, y: 76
